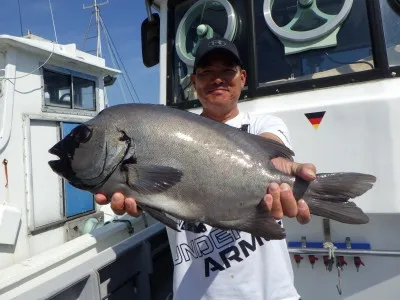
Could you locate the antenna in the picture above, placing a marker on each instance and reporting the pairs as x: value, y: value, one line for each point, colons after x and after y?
x: 96, y: 12
x: 114, y: 55
x: 20, y: 17
x: 52, y: 18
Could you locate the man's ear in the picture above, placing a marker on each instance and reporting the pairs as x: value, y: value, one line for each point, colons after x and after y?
x: 243, y: 76
x: 193, y: 79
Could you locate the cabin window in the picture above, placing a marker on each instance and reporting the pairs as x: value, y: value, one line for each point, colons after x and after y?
x: 281, y: 58
x: 68, y: 90
x: 391, y: 27
x: 218, y: 18
x: 76, y: 201
x: 84, y: 93
x: 285, y: 45
x: 57, y: 89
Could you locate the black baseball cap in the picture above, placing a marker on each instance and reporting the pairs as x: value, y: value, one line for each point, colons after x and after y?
x: 221, y: 44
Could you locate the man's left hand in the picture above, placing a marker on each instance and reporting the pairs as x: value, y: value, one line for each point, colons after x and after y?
x: 279, y: 198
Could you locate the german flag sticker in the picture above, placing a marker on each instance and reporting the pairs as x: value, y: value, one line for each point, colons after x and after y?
x: 315, y: 118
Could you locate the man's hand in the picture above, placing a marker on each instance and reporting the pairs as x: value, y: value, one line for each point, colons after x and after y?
x: 120, y: 204
x: 280, y: 199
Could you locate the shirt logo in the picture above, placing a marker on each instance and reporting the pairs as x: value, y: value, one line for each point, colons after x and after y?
x: 216, y: 43
x: 193, y: 227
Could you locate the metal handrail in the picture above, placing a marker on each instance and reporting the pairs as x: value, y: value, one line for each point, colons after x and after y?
x: 345, y: 252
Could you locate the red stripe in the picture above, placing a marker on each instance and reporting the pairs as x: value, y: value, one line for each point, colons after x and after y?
x: 315, y: 120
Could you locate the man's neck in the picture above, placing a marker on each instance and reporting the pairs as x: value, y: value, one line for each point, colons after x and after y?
x: 220, y: 116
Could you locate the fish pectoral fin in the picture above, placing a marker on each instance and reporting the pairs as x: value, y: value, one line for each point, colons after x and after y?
x: 151, y: 179
x: 273, y: 148
x: 161, y: 217
x: 259, y: 223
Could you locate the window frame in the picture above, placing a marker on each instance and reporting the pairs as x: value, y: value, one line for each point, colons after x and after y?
x: 381, y: 69
x: 70, y: 110
x: 28, y: 171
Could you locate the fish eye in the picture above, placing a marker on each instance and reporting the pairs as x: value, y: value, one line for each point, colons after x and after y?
x: 82, y: 134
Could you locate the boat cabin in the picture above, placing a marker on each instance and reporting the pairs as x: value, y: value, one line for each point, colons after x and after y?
x: 46, y: 89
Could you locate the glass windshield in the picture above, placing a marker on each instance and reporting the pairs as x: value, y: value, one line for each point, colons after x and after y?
x: 196, y: 20
x: 294, y: 40
x: 347, y: 49
x: 391, y: 27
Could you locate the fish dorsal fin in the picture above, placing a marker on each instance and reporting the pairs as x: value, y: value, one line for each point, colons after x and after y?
x: 271, y: 147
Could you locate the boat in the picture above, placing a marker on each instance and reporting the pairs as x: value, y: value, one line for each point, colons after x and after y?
x: 329, y: 69
x: 46, y: 89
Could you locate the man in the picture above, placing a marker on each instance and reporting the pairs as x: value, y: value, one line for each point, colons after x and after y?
x: 215, y: 264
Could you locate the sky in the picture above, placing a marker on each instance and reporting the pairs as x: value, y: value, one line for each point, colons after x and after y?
x: 123, y: 19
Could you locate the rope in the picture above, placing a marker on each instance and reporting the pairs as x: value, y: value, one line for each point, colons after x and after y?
x: 30, y: 73
x: 331, y: 247
x: 109, y: 38
x: 119, y: 82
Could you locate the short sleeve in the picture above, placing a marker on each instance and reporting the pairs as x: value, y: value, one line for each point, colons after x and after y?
x: 272, y: 124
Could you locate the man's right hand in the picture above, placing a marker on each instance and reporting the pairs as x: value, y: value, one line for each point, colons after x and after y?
x: 120, y: 204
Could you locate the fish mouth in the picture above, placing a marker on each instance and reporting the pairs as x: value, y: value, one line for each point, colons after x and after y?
x: 54, y: 164
x: 61, y: 165
x: 56, y: 151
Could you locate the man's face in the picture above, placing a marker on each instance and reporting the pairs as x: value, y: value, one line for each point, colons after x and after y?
x: 219, y: 82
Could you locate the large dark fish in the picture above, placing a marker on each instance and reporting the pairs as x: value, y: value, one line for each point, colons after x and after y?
x: 176, y: 163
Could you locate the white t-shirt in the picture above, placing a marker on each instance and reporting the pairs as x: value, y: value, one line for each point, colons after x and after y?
x: 212, y: 264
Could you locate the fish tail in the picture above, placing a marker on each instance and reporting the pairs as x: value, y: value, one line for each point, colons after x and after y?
x: 328, y: 195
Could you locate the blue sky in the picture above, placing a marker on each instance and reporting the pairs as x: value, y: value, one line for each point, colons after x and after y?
x: 123, y: 18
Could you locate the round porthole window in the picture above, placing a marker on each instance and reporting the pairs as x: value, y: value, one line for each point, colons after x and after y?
x: 205, y: 19
x: 309, y: 22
